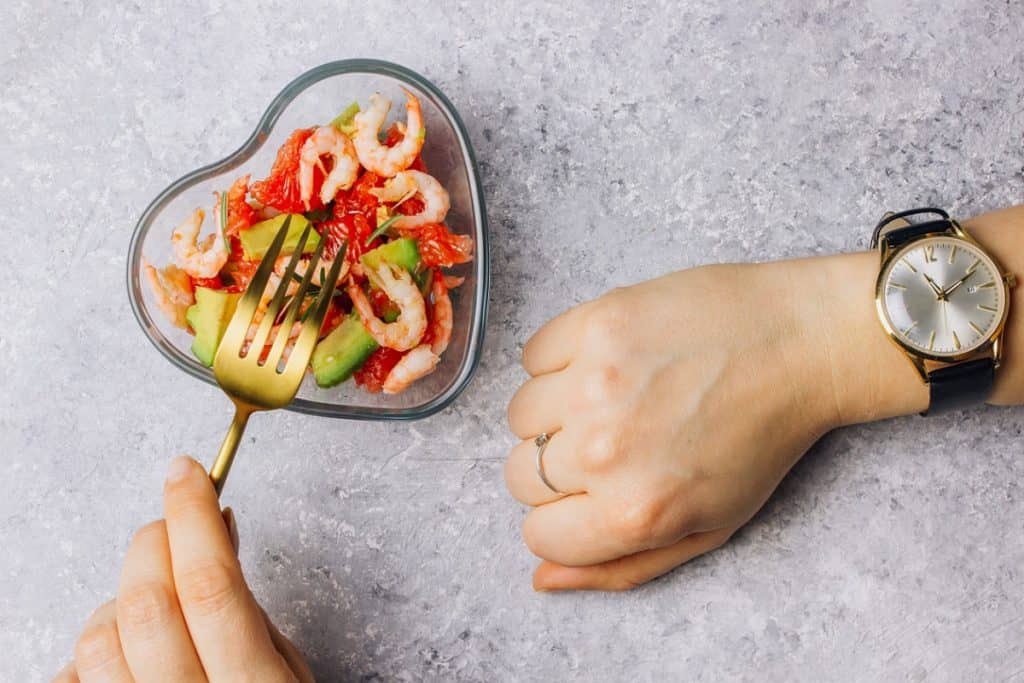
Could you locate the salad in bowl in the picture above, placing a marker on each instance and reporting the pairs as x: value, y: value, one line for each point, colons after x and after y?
x: 364, y: 182
x: 368, y: 195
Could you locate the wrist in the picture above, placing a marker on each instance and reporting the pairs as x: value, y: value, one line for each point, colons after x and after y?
x: 868, y: 376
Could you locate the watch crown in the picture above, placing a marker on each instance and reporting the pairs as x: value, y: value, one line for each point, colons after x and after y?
x: 1010, y: 279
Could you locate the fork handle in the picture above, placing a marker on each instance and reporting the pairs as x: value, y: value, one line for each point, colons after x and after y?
x: 221, y: 466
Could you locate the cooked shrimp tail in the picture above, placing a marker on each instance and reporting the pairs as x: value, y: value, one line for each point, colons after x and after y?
x: 172, y: 290
x: 414, y: 365
x: 441, y: 321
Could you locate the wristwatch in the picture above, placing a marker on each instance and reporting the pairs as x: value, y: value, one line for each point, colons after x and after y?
x: 943, y: 300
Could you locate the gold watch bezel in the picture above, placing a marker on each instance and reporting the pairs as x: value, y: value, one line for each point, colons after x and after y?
x: 991, y: 346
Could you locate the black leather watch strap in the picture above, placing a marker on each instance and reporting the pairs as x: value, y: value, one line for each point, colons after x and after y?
x: 960, y: 386
x: 898, y: 236
x: 895, y: 238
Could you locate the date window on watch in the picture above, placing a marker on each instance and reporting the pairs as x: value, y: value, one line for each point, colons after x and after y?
x: 973, y: 289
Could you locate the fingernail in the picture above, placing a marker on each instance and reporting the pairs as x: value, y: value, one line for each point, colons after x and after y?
x: 180, y: 468
x: 229, y: 520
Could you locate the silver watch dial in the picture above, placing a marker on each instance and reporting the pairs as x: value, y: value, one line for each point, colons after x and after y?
x: 943, y: 296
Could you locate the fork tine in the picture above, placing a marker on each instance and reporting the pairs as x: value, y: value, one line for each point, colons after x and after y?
x: 234, y: 335
x: 259, y: 340
x: 303, y: 349
x: 281, y: 340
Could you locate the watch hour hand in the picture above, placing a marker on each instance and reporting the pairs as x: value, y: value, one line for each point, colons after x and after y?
x: 939, y: 294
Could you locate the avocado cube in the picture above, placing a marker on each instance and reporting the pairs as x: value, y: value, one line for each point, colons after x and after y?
x: 402, y: 252
x: 342, y: 352
x: 257, y: 239
x: 209, y: 317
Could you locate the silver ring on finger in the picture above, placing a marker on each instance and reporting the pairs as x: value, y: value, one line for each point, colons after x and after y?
x: 542, y: 442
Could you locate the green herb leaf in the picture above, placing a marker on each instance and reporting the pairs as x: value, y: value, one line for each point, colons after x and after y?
x: 224, y: 219
x: 345, y: 121
x: 381, y: 229
x: 306, y: 313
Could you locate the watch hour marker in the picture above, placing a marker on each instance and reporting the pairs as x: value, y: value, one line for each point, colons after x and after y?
x: 908, y: 264
x: 956, y: 342
x: 929, y: 254
x: 977, y: 262
x: 952, y: 254
x: 912, y: 325
x: 975, y: 327
x: 990, y: 309
x: 987, y: 284
x: 931, y: 341
x: 896, y: 285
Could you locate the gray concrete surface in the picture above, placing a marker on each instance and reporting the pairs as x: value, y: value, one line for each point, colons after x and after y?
x: 615, y: 144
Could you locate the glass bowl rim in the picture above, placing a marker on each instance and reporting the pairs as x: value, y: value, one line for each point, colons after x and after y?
x: 254, y: 142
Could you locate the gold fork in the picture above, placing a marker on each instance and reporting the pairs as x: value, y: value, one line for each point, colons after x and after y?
x: 254, y: 385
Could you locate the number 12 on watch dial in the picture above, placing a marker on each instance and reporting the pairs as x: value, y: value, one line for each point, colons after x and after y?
x: 942, y: 296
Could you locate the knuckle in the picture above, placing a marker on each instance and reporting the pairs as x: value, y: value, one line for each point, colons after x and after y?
x: 603, y: 384
x: 97, y: 646
x: 145, y: 608
x: 606, y: 322
x: 639, y: 525
x: 602, y: 449
x: 208, y: 589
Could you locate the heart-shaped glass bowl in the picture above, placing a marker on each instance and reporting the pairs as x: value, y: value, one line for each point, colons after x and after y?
x: 316, y: 97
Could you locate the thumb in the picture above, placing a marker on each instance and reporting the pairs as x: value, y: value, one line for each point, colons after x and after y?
x: 630, y: 571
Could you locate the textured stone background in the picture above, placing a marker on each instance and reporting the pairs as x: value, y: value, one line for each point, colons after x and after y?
x: 614, y: 145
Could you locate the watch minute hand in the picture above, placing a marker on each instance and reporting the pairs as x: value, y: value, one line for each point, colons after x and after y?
x: 949, y: 290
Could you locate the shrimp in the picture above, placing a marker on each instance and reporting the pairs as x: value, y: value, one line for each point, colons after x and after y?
x: 406, y: 332
x: 416, y: 183
x: 418, y: 363
x: 173, y: 291
x: 382, y: 160
x: 441, y: 321
x: 327, y: 141
x: 199, y: 260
